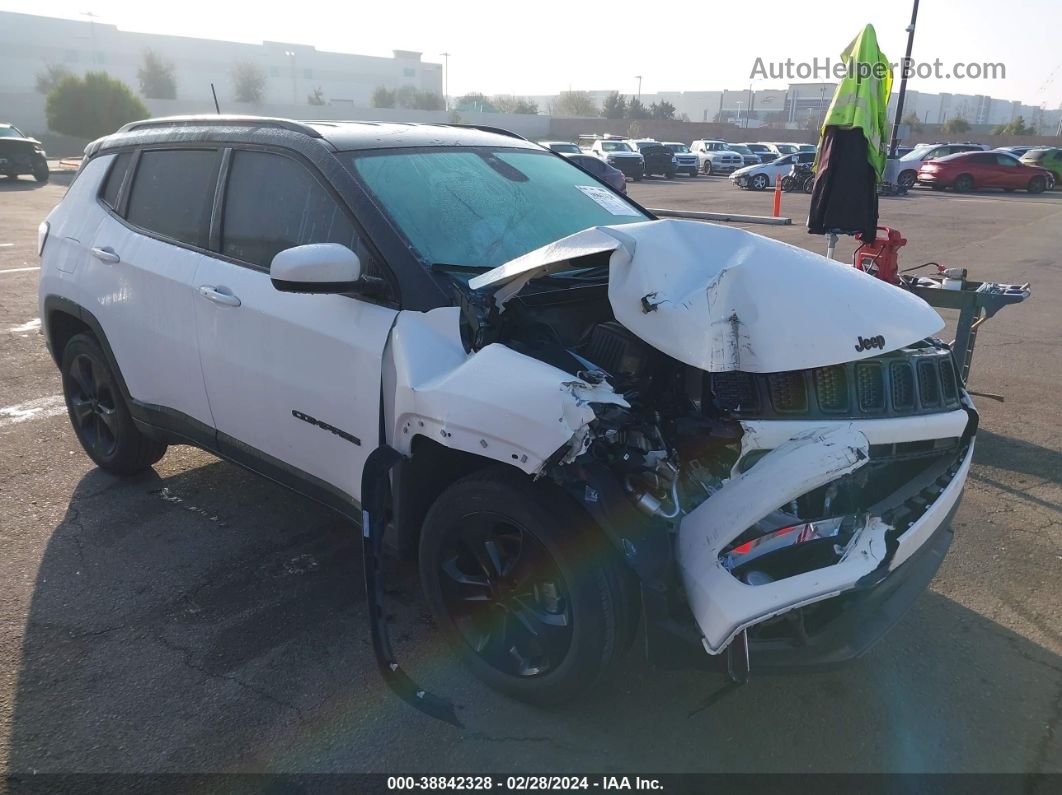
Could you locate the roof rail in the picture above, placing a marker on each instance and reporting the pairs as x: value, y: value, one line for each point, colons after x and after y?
x: 213, y: 120
x: 486, y: 128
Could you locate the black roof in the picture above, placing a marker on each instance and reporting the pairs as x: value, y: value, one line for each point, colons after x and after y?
x: 340, y: 135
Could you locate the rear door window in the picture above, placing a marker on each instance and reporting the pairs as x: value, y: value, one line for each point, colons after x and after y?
x: 173, y: 193
x: 272, y: 203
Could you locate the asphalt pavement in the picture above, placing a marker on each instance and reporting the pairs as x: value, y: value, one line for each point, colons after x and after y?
x: 198, y: 618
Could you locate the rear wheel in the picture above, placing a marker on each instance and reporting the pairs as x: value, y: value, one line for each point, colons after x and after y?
x: 964, y: 183
x: 1037, y: 184
x: 98, y: 413
x: 809, y: 184
x: 531, y: 596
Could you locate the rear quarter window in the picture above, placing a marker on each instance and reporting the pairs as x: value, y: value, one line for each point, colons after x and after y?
x: 173, y: 193
x: 113, y: 183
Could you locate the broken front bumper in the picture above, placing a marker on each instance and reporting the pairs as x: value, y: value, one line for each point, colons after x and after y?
x: 872, y: 569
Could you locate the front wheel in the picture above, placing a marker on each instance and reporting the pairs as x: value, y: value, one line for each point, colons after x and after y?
x: 98, y: 413
x: 907, y: 179
x: 706, y: 169
x: 1037, y: 185
x: 788, y: 184
x: 759, y: 182
x: 40, y: 172
x: 670, y: 174
x: 531, y: 597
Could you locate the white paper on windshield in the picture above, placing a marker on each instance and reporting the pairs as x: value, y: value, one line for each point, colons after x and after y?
x: 609, y: 200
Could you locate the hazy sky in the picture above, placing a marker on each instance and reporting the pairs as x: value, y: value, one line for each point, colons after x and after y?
x: 545, y: 47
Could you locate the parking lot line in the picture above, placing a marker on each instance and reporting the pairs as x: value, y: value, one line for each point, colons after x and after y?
x: 6, y: 245
x: 20, y: 270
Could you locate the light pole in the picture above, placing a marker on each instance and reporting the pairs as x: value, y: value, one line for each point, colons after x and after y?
x: 639, y: 78
x: 903, y: 82
x: 739, y: 103
x: 446, y: 80
x: 748, y: 110
x: 291, y: 62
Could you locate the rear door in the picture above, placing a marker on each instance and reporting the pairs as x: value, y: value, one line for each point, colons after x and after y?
x: 293, y: 380
x: 142, y: 266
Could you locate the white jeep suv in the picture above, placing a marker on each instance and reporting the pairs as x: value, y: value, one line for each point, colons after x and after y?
x: 573, y: 414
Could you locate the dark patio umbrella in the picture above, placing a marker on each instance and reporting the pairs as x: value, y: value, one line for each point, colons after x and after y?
x: 852, y: 146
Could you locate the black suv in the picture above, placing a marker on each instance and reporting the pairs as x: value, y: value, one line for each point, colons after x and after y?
x: 20, y: 154
x: 658, y: 158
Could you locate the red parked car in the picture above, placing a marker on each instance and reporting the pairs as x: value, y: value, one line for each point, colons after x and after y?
x: 967, y: 171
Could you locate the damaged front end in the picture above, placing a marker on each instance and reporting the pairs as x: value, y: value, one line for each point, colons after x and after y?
x: 767, y: 438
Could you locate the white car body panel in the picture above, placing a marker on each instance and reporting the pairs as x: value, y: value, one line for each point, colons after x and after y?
x: 281, y: 353
x: 717, y: 298
x: 495, y: 402
x: 144, y: 302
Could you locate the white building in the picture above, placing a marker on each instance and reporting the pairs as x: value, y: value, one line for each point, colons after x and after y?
x: 28, y: 44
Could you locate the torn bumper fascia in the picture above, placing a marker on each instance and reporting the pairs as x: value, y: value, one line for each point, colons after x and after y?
x: 494, y: 402
x: 722, y: 605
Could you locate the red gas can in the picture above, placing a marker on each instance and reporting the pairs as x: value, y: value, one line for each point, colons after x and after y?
x: 881, y: 256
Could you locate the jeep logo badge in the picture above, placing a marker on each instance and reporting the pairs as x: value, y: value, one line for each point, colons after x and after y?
x: 869, y: 343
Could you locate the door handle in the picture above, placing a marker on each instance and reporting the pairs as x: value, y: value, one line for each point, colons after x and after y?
x: 106, y: 254
x: 212, y: 293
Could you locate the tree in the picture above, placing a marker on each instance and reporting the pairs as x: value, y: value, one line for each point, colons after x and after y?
x: 506, y: 104
x: 636, y: 110
x: 428, y: 100
x: 662, y: 110
x: 475, y: 102
x: 156, y: 76
x: 49, y: 77
x: 383, y: 97
x: 248, y: 80
x: 615, y: 106
x: 316, y: 97
x: 956, y: 124
x: 92, y: 106
x: 1014, y: 127
x: 575, y: 103
x: 912, y: 121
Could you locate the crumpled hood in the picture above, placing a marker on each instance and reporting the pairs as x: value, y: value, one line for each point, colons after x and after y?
x: 721, y: 299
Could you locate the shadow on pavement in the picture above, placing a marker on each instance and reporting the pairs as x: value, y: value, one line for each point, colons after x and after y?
x: 212, y: 621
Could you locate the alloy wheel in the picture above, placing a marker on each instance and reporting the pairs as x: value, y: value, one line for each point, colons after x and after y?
x: 93, y: 406
x: 505, y: 594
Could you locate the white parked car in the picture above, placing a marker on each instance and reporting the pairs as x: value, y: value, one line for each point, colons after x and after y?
x: 716, y: 157
x: 574, y: 416
x: 766, y: 174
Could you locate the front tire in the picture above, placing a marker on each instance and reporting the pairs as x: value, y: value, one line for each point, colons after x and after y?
x: 1037, y: 185
x: 758, y: 182
x: 40, y: 172
x: 907, y: 179
x: 98, y: 412
x: 706, y: 169
x: 530, y: 594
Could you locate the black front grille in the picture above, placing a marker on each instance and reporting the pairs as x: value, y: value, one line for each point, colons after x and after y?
x: 918, y: 380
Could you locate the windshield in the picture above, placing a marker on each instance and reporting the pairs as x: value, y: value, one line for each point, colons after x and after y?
x: 567, y: 148
x: 11, y: 132
x: 758, y: 147
x: 917, y: 153
x: 678, y: 148
x: 615, y: 146
x: 483, y: 207
x: 1036, y: 155
x: 785, y: 149
x: 741, y: 149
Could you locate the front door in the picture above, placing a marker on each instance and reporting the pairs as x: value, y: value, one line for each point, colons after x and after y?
x: 293, y: 377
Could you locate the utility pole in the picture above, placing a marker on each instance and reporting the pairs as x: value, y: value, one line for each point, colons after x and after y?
x: 446, y: 79
x: 748, y: 110
x: 639, y: 77
x: 903, y: 82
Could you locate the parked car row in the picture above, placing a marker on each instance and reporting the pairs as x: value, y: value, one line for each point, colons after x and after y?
x: 636, y: 158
